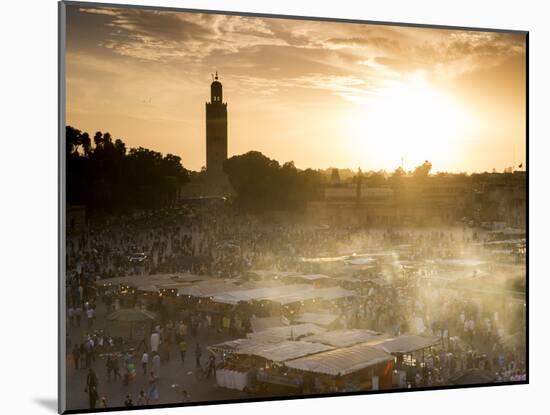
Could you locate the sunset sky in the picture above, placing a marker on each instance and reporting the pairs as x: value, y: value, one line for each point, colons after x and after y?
x: 322, y: 94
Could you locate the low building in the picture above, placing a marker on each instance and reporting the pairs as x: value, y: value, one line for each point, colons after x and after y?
x: 501, y: 198
x: 428, y: 203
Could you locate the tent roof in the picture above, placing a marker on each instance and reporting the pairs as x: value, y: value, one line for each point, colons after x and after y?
x: 264, y: 323
x: 238, y: 344
x: 345, y: 338
x: 262, y: 273
x: 360, y: 261
x: 148, y: 288
x: 322, y: 319
x: 348, y: 278
x: 208, y: 288
x: 460, y: 262
x: 332, y: 293
x: 294, y: 331
x: 261, y: 293
x: 341, y: 361
x: 282, y: 351
x: 310, y: 293
x: 310, y: 277
x: 407, y: 343
x: 159, y: 280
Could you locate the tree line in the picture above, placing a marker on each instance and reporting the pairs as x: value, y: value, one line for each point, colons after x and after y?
x: 262, y: 183
x: 107, y: 177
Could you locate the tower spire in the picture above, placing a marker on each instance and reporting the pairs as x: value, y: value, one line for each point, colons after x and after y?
x: 216, y: 128
x: 216, y: 89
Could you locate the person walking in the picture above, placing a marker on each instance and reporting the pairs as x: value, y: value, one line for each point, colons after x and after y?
x: 183, y: 348
x: 128, y: 401
x: 91, y: 388
x: 169, y: 332
x: 88, y: 353
x: 70, y: 315
x: 116, y: 369
x: 142, y: 399
x: 198, y: 354
x: 90, y: 314
x: 103, y: 402
x: 182, y: 330
x: 211, y: 366
x: 76, y: 355
x: 185, y: 397
x: 156, y: 364
x: 82, y: 355
x: 109, y: 366
x: 144, y: 362
x: 155, y: 341
x: 153, y: 391
x: 130, y: 372
x: 78, y: 315
x: 142, y: 342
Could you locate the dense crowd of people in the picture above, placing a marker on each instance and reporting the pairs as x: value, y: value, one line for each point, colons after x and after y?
x: 222, y: 242
x: 188, y: 239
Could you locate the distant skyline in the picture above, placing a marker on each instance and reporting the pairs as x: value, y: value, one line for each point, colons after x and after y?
x: 322, y: 94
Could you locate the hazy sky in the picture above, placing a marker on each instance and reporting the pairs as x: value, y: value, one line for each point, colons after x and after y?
x: 321, y: 94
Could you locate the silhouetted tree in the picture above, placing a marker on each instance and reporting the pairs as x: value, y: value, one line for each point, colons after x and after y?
x: 335, y: 177
x: 375, y: 179
x: 107, y: 177
x: 423, y: 170
x: 263, y: 184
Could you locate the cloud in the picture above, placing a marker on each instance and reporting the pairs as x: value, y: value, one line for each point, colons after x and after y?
x: 299, y: 48
x: 104, y: 10
x: 161, y: 35
x: 144, y: 76
x: 378, y: 42
x: 350, y: 41
x: 347, y: 60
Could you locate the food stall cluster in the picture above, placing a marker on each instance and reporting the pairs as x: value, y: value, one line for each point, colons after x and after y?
x: 291, y: 329
x: 306, y: 359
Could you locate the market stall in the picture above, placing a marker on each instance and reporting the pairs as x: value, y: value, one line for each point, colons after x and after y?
x: 256, y: 364
x: 290, y: 332
x: 359, y: 367
x: 345, y: 338
x: 406, y: 349
x: 326, y: 320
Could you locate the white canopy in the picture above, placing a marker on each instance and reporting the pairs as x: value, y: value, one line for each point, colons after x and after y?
x: 341, y: 361
x: 322, y: 319
x: 208, y: 288
x: 466, y: 263
x: 262, y: 293
x: 283, y: 294
x: 158, y: 280
x: 360, y: 261
x: 310, y: 277
x: 345, y: 338
x: 282, y: 351
x: 311, y: 293
x: 238, y: 344
x: 407, y: 343
x: 291, y: 332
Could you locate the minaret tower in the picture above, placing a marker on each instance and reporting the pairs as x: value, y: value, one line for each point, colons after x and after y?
x: 216, y: 129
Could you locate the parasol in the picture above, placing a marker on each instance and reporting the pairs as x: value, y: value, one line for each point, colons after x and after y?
x: 132, y: 316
